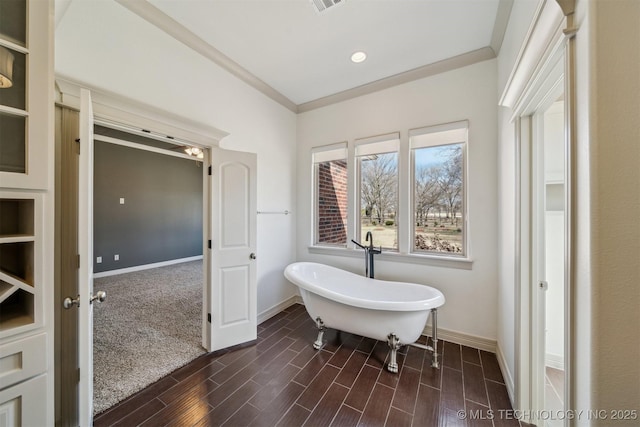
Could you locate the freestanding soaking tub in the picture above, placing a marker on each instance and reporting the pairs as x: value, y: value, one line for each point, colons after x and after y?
x: 395, y: 312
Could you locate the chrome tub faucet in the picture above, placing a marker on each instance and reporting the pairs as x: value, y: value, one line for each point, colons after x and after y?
x: 369, y: 252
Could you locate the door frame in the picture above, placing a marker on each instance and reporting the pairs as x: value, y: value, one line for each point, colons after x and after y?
x: 549, y: 43
x: 530, y: 297
x: 85, y: 261
x: 534, y: 236
x: 66, y: 271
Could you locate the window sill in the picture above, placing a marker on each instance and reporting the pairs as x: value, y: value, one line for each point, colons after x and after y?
x: 431, y: 260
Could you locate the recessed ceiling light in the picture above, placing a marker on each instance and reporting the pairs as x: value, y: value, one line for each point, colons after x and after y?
x: 358, y: 57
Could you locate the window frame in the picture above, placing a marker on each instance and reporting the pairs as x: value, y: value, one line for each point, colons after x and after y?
x: 429, y: 130
x: 405, y: 224
x: 392, y: 142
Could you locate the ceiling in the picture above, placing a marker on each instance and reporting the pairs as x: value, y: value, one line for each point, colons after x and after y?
x: 301, y: 57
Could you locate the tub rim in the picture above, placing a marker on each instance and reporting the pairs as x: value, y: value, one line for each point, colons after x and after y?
x: 434, y: 301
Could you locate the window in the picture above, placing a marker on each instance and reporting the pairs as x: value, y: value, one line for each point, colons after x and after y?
x: 330, y: 190
x: 438, y: 179
x: 410, y: 193
x: 377, y: 165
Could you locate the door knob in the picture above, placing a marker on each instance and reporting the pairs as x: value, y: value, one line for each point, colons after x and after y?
x: 100, y: 296
x: 252, y: 256
x: 69, y: 302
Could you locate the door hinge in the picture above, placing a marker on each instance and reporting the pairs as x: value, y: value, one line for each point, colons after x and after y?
x: 209, y: 170
x: 209, y: 317
x: 77, y: 145
x: 209, y: 244
x: 78, y: 261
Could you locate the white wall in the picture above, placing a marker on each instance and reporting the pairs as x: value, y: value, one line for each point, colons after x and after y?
x: 506, y: 318
x: 466, y: 93
x: 107, y: 47
x: 610, y: 113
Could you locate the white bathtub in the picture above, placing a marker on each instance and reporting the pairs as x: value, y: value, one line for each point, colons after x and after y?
x: 395, y: 312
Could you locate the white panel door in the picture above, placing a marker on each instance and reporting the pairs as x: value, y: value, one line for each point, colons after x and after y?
x: 85, y: 249
x: 232, y: 296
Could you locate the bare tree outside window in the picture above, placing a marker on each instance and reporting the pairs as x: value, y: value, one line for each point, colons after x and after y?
x: 438, y: 199
x: 433, y: 216
x: 379, y: 198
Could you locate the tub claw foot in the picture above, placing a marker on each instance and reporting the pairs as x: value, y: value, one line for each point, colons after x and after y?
x: 394, y: 345
x: 318, y: 343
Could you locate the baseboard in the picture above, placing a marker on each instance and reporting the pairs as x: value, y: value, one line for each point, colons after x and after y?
x: 145, y: 267
x: 270, y: 312
x: 473, y: 341
x: 506, y: 374
x: 554, y: 361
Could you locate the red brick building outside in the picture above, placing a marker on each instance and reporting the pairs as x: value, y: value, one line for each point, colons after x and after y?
x: 332, y: 202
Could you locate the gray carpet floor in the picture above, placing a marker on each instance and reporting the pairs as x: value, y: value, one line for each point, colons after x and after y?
x: 149, y: 325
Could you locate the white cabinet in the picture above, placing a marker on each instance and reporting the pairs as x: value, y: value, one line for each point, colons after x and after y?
x: 22, y: 359
x: 26, y: 212
x: 25, y: 87
x: 23, y: 382
x: 19, y: 405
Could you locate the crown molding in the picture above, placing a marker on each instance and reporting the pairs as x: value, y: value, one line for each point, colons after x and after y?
x: 164, y: 22
x: 500, y: 25
x: 156, y: 17
x: 439, y: 67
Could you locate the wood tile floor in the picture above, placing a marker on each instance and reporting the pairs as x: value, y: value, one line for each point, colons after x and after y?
x: 281, y: 380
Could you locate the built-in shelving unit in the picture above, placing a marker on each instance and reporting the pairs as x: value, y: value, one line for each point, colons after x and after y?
x: 17, y: 261
x: 26, y: 211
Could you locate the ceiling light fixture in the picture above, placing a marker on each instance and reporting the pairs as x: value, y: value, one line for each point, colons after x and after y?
x: 358, y: 57
x: 195, y: 151
x: 6, y: 68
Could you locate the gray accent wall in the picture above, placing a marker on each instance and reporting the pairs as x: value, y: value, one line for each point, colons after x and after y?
x: 161, y: 218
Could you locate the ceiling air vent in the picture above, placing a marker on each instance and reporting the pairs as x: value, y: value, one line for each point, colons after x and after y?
x: 322, y: 5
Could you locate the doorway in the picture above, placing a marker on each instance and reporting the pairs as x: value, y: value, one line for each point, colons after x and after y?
x: 170, y: 273
x: 148, y: 245
x: 549, y: 270
x: 543, y: 234
x: 229, y: 235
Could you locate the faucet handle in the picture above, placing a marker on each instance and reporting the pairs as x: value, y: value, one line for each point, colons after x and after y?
x: 358, y: 244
